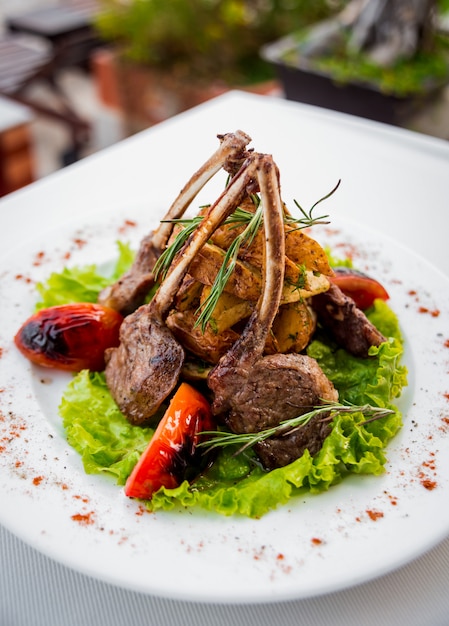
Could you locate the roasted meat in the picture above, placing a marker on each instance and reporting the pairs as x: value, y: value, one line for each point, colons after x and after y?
x: 253, y: 392
x: 130, y: 290
x: 144, y: 369
x: 269, y: 305
x: 347, y: 324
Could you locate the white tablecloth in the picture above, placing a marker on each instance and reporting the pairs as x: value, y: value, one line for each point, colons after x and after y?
x: 37, y: 591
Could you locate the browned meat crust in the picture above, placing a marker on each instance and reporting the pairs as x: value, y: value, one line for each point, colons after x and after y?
x: 129, y: 292
x: 348, y: 325
x: 252, y: 392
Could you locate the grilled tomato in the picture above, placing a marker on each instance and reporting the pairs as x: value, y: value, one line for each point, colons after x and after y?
x: 173, y: 447
x: 70, y: 336
x: 361, y: 288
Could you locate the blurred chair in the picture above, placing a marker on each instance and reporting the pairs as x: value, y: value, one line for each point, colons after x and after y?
x: 37, y: 45
x: 16, y: 146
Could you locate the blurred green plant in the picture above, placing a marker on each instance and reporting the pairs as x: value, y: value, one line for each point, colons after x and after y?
x: 205, y: 39
x: 427, y: 69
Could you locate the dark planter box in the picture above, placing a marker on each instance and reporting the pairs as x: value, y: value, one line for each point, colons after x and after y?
x: 302, y: 83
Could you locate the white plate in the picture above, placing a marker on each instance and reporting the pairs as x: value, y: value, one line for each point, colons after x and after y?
x: 358, y: 530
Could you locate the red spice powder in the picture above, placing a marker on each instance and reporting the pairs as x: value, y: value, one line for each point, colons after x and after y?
x: 40, y: 256
x: 127, y: 224
x: 430, y: 464
x: 26, y: 279
x: 428, y: 484
x: 434, y: 313
x: 393, y: 499
x: 86, y: 519
x: 82, y: 498
x: 350, y: 250
x: 37, y: 480
x: 446, y: 343
x: 79, y: 242
x: 425, y: 480
x: 316, y: 541
x: 374, y: 515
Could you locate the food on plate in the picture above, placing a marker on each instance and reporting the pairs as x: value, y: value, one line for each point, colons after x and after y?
x: 129, y: 292
x: 70, y: 337
x: 361, y: 288
x: 173, y: 449
x: 239, y: 352
x: 348, y: 325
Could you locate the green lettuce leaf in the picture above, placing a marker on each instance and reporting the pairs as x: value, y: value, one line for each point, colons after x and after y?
x: 81, y: 284
x: 109, y: 444
x: 238, y: 485
x: 94, y: 426
x: 352, y: 446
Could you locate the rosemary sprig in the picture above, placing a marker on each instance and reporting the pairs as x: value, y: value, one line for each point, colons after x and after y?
x: 252, y: 222
x: 167, y: 256
x: 221, y: 439
x: 227, y: 267
x: 243, y: 216
x: 239, y: 216
x: 308, y: 219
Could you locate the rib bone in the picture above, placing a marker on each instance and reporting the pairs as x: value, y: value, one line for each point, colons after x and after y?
x: 252, y: 392
x: 143, y: 370
x: 130, y: 290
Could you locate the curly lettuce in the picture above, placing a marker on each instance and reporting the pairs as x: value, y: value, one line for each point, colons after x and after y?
x: 81, y: 284
x: 108, y: 443
x: 97, y: 430
x: 238, y: 485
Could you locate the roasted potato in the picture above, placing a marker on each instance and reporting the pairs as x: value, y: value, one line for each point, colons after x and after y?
x: 293, y: 327
x: 207, y: 345
x: 228, y: 311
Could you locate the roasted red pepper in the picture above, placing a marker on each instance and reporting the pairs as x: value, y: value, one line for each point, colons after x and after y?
x: 70, y: 337
x: 361, y: 288
x: 173, y: 447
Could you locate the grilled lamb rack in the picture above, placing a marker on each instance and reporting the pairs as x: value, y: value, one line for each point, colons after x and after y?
x: 143, y: 370
x: 130, y: 290
x: 253, y: 392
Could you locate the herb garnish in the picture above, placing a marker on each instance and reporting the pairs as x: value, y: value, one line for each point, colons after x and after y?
x: 252, y: 222
x: 221, y: 439
x: 246, y: 237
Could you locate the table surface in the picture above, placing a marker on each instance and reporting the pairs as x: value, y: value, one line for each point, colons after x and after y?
x: 34, y: 589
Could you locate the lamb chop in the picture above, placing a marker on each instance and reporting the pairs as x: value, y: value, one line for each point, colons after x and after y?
x: 143, y: 370
x: 253, y: 392
x: 130, y: 290
x: 347, y: 324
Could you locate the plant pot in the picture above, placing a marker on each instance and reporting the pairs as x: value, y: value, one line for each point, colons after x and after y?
x: 302, y: 83
x: 144, y: 95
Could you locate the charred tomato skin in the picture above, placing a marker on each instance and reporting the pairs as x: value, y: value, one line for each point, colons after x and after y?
x: 173, y: 449
x: 70, y: 337
x: 359, y: 286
